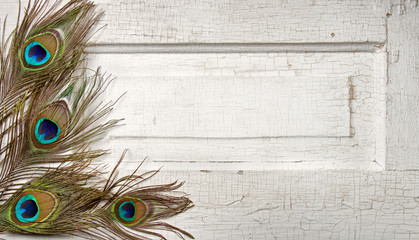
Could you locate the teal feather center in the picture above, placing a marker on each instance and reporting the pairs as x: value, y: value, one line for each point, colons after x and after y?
x: 27, y: 209
x: 36, y: 54
x: 44, y: 129
x: 127, y: 211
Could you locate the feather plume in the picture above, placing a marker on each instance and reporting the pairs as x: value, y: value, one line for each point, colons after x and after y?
x: 43, y: 56
x: 48, y: 120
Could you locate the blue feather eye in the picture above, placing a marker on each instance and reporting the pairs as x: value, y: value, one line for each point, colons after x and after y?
x: 27, y: 209
x: 130, y: 211
x: 47, y: 131
x: 33, y: 206
x: 50, y: 125
x: 36, y: 54
x: 127, y: 211
x: 40, y: 50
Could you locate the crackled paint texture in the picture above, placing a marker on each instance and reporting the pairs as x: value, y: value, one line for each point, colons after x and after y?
x: 274, y: 141
x: 221, y: 21
x: 257, y: 109
x: 403, y: 86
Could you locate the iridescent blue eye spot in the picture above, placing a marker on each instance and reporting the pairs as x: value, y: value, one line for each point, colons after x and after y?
x: 47, y: 131
x: 36, y: 54
x: 127, y: 211
x: 27, y: 209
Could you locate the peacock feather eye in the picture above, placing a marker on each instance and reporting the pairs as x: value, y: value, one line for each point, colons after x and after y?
x: 27, y: 209
x: 130, y: 211
x: 127, y: 211
x: 50, y: 125
x: 36, y: 54
x: 46, y: 131
x: 33, y: 206
x: 40, y: 50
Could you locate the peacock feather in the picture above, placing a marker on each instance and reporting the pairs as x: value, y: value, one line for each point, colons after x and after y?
x: 49, y: 117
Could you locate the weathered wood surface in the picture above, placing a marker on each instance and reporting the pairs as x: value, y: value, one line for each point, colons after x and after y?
x: 403, y: 87
x: 320, y: 109
x: 336, y: 115
x: 226, y: 21
x: 302, y: 205
x: 235, y: 107
x: 286, y: 180
x: 349, y: 204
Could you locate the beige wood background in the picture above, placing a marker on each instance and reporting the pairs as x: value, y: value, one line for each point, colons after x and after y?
x: 286, y: 119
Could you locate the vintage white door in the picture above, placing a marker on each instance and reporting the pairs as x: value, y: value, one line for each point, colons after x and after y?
x: 287, y: 119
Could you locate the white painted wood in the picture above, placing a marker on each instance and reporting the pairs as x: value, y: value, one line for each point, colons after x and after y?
x: 235, y: 107
x: 403, y: 86
x: 323, y: 184
x: 331, y: 204
x: 302, y: 205
x: 227, y: 21
x: 315, y: 109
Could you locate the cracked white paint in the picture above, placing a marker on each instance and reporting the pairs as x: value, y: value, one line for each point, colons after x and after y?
x: 209, y: 21
x: 403, y: 86
x: 265, y: 110
x: 330, y: 204
x: 255, y: 168
x: 226, y: 21
x: 234, y: 107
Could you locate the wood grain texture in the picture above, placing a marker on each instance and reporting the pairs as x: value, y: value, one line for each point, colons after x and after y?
x: 236, y: 107
x: 323, y: 108
x: 166, y: 55
x: 247, y: 21
x: 296, y: 204
x: 228, y: 21
x: 403, y: 86
x: 303, y: 205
